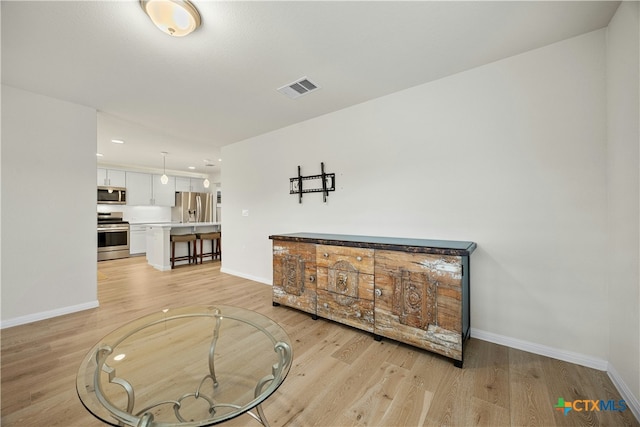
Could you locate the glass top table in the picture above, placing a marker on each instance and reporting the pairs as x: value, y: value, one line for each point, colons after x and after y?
x: 191, y: 366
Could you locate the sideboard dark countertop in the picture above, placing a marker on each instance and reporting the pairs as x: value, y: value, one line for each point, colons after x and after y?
x: 442, y: 247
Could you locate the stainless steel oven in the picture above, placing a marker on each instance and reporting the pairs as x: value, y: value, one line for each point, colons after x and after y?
x: 113, y: 236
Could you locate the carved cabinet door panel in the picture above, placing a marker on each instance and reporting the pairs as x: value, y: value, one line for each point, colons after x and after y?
x: 418, y: 300
x: 345, y: 285
x: 294, y: 275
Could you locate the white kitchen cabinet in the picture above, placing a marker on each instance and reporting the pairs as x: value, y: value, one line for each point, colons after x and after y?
x: 139, y: 189
x: 137, y: 239
x: 183, y: 184
x: 144, y: 189
x: 102, y: 177
x: 111, y: 177
x: 195, y: 185
x: 164, y: 194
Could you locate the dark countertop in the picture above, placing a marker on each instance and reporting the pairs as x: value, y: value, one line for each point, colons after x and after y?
x: 443, y: 247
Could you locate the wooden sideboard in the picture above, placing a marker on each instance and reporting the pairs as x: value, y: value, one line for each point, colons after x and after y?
x: 414, y: 291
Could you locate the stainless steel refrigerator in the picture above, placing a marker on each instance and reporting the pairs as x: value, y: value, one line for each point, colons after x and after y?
x: 193, y: 207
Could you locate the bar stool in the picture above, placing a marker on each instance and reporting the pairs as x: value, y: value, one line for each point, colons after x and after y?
x: 216, y: 246
x: 180, y: 238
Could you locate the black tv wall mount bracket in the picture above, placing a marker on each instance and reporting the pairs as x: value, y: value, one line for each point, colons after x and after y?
x: 298, y: 184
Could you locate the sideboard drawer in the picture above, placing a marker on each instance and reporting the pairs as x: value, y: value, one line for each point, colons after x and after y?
x: 346, y: 310
x: 360, y: 258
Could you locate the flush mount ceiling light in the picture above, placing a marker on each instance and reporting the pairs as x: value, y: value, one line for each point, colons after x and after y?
x: 174, y: 17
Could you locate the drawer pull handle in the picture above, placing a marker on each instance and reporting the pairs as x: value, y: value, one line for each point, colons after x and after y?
x: 359, y: 258
x: 326, y: 255
x: 312, y: 279
x: 378, y: 292
x: 326, y: 305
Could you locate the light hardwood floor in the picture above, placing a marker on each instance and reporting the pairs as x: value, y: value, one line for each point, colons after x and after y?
x: 340, y: 376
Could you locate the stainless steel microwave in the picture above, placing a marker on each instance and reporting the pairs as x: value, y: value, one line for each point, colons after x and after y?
x: 112, y: 196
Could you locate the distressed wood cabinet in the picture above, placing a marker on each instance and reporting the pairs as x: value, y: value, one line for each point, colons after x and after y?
x: 414, y: 291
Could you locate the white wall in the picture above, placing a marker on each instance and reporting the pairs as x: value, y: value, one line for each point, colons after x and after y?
x: 623, y: 179
x: 48, y: 200
x: 510, y: 155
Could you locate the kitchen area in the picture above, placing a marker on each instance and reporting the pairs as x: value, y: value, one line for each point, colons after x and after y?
x: 138, y: 212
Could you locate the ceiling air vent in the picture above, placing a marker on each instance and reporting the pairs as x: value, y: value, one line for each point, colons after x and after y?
x: 298, y: 88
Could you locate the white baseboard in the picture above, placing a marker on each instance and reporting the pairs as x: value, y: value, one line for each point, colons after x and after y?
x: 22, y: 320
x: 567, y: 356
x: 543, y: 350
x: 632, y: 401
x: 246, y: 276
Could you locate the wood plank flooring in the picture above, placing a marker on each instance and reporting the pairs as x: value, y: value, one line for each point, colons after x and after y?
x: 340, y: 376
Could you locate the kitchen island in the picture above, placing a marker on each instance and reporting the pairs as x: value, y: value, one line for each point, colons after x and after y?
x: 159, y: 244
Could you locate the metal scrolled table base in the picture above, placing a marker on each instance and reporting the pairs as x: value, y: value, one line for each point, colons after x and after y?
x: 144, y: 418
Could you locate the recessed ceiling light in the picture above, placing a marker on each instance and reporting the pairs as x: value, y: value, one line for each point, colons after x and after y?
x: 219, y: 160
x: 117, y: 141
x: 99, y: 154
x: 192, y: 167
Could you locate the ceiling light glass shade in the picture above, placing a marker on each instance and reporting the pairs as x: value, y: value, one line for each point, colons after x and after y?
x: 206, y: 183
x: 164, y: 179
x: 174, y: 17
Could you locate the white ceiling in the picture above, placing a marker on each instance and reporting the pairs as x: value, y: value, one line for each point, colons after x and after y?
x: 190, y: 96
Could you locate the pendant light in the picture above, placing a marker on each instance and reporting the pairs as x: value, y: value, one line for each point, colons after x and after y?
x: 174, y: 17
x: 206, y: 182
x: 164, y: 178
